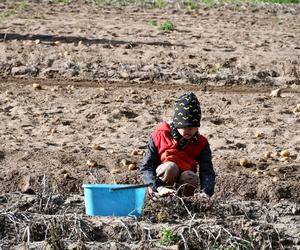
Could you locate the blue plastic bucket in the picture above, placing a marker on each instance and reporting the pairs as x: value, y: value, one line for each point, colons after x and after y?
x: 114, y: 199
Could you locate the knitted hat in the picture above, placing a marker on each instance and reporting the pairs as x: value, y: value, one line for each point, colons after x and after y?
x: 187, y: 111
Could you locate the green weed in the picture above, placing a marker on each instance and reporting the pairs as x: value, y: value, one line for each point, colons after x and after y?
x: 167, y: 26
x: 65, y: 2
x: 39, y: 17
x: 102, y: 2
x: 24, y: 5
x: 153, y: 23
x: 191, y: 4
x: 168, y: 237
x: 5, y: 15
x: 161, y: 4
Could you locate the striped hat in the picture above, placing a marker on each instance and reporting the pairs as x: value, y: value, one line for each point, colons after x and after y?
x: 187, y: 111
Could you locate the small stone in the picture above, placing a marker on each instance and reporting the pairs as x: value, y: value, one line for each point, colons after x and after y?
x: 132, y: 167
x: 276, y: 93
x: 66, y: 53
x: 244, y: 162
x: 96, y: 146
x: 91, y: 163
x: 298, y: 106
x: 36, y: 86
x: 124, y: 162
x: 115, y: 171
x: 37, y: 41
x: 57, y: 42
x: 275, y: 179
x: 285, y: 153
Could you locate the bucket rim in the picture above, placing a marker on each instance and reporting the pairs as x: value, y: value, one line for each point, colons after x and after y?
x: 112, y: 185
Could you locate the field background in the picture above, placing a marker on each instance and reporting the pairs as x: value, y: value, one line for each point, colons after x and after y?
x: 82, y: 84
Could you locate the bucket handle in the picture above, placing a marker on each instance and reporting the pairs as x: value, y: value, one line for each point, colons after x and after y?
x: 130, y: 187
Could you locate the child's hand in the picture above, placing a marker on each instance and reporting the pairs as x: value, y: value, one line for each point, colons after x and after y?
x: 202, y: 196
x: 164, y: 191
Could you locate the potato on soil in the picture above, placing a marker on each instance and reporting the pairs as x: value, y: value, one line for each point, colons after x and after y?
x: 132, y: 167
x: 36, y: 86
x: 96, y: 146
x: 285, y: 153
x: 91, y: 163
x: 244, y: 162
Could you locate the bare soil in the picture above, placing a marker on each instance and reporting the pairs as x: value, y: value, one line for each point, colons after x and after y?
x: 104, y: 76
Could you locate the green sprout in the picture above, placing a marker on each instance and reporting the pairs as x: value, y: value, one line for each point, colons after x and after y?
x: 167, y: 26
x: 168, y: 237
x: 24, y: 5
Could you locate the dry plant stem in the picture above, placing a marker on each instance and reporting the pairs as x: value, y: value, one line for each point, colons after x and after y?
x: 149, y: 233
x: 235, y: 237
x: 196, y: 233
x: 184, y: 241
x: 123, y: 224
x: 48, y: 200
x: 94, y: 179
x: 190, y: 214
x: 190, y: 223
x: 12, y: 219
x: 27, y: 233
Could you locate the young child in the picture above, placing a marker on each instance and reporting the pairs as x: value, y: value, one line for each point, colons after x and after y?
x: 176, y: 151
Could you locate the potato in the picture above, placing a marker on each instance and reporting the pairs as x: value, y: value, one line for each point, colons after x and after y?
x: 91, y: 163
x: 132, y: 167
x: 244, y: 162
x: 36, y: 86
x: 96, y: 146
x: 259, y: 135
x: 296, y: 110
x: 285, y: 153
